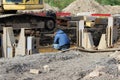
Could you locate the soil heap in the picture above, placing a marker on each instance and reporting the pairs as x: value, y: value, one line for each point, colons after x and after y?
x: 90, y: 6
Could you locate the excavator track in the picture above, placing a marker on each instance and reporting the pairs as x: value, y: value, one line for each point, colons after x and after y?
x: 27, y: 21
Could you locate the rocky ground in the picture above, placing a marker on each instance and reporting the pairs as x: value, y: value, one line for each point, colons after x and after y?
x: 70, y: 65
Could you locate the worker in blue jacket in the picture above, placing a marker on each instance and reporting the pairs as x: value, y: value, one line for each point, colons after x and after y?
x: 61, y: 40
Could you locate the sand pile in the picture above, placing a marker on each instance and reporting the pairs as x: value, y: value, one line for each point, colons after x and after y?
x: 90, y: 6
x: 114, y: 9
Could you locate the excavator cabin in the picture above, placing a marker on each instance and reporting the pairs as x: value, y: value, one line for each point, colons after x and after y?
x: 14, y: 5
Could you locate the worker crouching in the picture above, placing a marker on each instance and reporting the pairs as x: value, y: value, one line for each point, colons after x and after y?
x: 61, y: 40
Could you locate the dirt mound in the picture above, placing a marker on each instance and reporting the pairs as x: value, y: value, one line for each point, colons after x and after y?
x: 114, y: 9
x: 90, y: 6
x: 48, y: 7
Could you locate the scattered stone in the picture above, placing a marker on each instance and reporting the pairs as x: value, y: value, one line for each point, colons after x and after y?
x: 35, y: 71
x: 65, y: 66
x: 46, y: 68
x: 118, y: 67
x: 28, y: 79
x: 115, y: 55
x: 95, y: 73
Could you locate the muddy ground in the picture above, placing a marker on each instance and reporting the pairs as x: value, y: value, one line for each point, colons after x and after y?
x: 70, y: 65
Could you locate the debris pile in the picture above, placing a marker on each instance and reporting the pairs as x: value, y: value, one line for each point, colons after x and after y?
x: 90, y: 6
x: 48, y: 7
x: 70, y: 65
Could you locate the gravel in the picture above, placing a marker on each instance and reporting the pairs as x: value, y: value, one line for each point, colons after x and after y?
x: 70, y: 65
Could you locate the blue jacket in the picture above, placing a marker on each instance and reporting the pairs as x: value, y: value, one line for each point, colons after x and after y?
x: 61, y: 38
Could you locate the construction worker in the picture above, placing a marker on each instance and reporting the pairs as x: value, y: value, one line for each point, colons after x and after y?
x: 61, y: 40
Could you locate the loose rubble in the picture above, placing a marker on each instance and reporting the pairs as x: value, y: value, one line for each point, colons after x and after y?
x: 80, y: 6
x: 70, y: 65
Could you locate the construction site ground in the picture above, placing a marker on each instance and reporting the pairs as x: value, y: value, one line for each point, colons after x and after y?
x: 51, y: 64
x: 69, y: 65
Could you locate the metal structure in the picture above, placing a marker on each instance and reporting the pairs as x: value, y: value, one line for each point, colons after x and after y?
x: 14, y: 5
x: 9, y: 17
x: 34, y: 25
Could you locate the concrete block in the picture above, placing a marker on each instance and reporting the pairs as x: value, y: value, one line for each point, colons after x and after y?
x: 35, y: 71
x: 8, y: 42
x: 4, y: 40
x: 46, y: 68
x: 109, y: 32
x: 102, y: 43
x: 81, y: 24
x: 29, y: 45
x: 110, y: 21
x: 32, y: 45
x: 21, y: 47
x: 80, y: 31
x: 88, y: 41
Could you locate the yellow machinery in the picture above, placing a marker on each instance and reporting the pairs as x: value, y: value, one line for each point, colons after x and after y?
x: 14, y: 5
x: 34, y: 23
x: 24, y: 20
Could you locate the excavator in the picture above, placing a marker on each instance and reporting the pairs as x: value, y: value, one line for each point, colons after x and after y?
x: 14, y: 5
x: 10, y: 18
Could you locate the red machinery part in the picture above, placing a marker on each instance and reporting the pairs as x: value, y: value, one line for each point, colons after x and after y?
x: 63, y: 14
x: 106, y: 15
